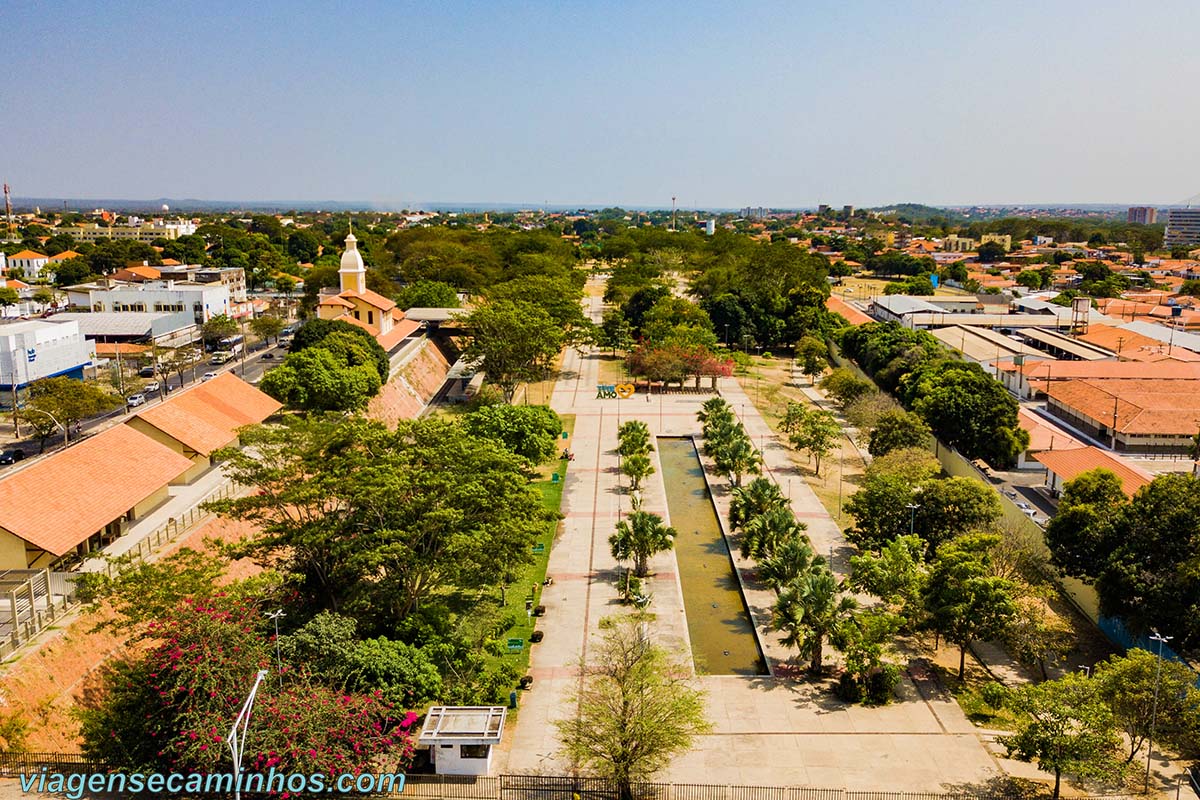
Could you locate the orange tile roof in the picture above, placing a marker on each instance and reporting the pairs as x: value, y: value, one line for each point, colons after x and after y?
x: 206, y: 417
x: 852, y: 314
x: 58, y: 502
x: 1133, y: 346
x: 124, y: 348
x: 401, y: 330
x: 64, y: 255
x: 1141, y: 407
x: 141, y: 271
x: 335, y: 300
x: 172, y: 262
x: 358, y: 323
x: 1167, y: 370
x: 1044, y: 435
x: 26, y: 254
x: 373, y: 298
x: 1070, y: 464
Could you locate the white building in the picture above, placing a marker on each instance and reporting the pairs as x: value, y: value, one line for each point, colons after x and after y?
x: 460, y: 738
x: 29, y: 262
x: 1183, y: 227
x: 34, y: 349
x: 204, y: 301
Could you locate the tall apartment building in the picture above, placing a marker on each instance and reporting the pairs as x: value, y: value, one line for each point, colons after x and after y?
x: 1183, y: 227
x: 1142, y: 215
x: 958, y: 244
x: 997, y: 238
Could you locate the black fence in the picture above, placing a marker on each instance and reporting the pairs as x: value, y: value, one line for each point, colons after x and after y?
x: 553, y: 787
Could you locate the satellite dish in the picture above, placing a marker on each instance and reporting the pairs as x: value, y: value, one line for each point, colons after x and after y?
x: 166, y: 207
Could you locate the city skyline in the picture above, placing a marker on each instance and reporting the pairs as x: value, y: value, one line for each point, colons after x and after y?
x: 861, y: 103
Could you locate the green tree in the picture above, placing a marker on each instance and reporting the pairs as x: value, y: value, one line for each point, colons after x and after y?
x: 303, y: 246
x: 1030, y: 279
x: 809, y: 611
x: 217, y: 328
x: 633, y: 438
x: 266, y: 328
x: 8, y: 296
x: 315, y: 379
x: 616, y: 333
x: 639, y: 537
x: 55, y: 402
x: 512, y: 342
x: 1143, y: 693
x: 845, y: 387
x: 637, y: 468
x: 897, y: 575
x: 991, y: 252
x: 965, y: 601
x: 1066, y: 727
x: 738, y: 457
x: 314, y: 332
x: 816, y: 432
x: 1035, y: 632
x: 1079, y: 535
x: 951, y: 507
x: 43, y: 295
x: 72, y: 271
x: 897, y: 429
x: 529, y: 431
x: 789, y: 560
x: 378, y: 520
x: 427, y: 294
x: 813, y: 356
x: 635, y: 709
x: 754, y: 499
x: 764, y: 534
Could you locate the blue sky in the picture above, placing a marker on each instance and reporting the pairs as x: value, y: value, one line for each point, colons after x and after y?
x: 721, y: 104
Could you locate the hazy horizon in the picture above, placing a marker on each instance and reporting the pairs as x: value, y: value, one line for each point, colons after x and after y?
x: 591, y: 105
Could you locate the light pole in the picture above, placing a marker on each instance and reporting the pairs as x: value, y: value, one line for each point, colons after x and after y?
x: 237, y: 738
x: 274, y: 616
x: 1155, y: 636
x: 912, y: 516
x: 53, y: 419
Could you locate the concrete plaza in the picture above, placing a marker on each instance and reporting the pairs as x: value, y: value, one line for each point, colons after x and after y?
x: 767, y: 730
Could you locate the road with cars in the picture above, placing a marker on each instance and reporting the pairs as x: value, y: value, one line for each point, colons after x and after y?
x: 250, y: 367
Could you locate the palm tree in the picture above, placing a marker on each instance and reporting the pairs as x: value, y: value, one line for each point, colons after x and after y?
x: 640, y: 536
x: 756, y: 497
x: 792, y: 558
x: 738, y: 457
x: 762, y: 534
x: 809, y: 610
x: 638, y: 467
x: 633, y: 438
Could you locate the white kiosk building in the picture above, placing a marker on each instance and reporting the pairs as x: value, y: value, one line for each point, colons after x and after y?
x: 460, y: 738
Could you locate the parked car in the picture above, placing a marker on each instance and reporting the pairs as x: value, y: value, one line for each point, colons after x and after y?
x: 11, y: 456
x: 146, y: 372
x: 1025, y: 507
x: 268, y: 355
x: 208, y: 376
x: 136, y: 400
x: 151, y: 387
x: 1011, y: 493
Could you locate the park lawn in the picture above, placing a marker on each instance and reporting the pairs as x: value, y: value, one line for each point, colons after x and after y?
x: 532, y: 574
x: 969, y: 698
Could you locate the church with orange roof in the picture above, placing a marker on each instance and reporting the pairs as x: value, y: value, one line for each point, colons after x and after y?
x: 359, y: 306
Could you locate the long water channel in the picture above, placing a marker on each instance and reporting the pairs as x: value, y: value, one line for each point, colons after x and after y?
x: 722, y: 634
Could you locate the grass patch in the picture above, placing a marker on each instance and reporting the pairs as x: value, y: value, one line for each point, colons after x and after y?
x: 528, y: 583
x: 969, y: 696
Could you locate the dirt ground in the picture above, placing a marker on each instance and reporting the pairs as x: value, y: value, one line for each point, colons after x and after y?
x: 43, y: 683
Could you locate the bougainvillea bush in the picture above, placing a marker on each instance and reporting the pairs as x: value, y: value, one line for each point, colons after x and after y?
x: 171, y: 706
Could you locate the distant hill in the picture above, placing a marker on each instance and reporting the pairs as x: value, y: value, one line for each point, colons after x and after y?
x: 918, y: 213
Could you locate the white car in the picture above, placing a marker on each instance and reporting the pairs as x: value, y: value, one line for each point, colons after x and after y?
x: 208, y: 376
x: 136, y: 400
x: 151, y: 387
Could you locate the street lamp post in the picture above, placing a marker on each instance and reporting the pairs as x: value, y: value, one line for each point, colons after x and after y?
x: 1154, y: 637
x: 53, y: 419
x: 237, y: 735
x: 274, y: 616
x: 912, y: 516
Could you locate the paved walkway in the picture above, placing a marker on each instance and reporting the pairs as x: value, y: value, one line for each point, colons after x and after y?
x: 767, y: 730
